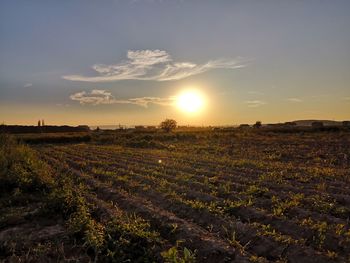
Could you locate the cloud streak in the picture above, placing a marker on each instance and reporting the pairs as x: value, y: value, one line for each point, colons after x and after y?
x: 100, y: 97
x: 296, y: 100
x: 255, y: 103
x: 154, y: 65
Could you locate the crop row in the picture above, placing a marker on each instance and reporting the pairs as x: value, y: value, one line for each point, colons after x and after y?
x: 236, y: 214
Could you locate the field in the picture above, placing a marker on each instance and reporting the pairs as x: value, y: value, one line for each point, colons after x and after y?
x: 203, y: 196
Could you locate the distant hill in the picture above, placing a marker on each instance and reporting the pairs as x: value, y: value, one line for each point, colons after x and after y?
x: 325, y: 122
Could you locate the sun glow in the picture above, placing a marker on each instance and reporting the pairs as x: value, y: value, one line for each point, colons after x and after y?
x: 190, y: 101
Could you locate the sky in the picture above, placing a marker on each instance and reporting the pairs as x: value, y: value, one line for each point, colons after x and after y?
x: 125, y: 62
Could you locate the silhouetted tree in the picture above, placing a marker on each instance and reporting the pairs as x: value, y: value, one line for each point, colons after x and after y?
x: 39, y: 123
x: 168, y: 125
x: 257, y: 124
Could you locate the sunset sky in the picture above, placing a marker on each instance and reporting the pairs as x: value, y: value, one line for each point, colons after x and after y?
x: 109, y: 62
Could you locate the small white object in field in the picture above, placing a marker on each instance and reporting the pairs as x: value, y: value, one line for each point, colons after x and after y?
x: 159, y: 161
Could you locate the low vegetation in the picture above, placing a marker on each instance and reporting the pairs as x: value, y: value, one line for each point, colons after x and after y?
x: 191, y: 196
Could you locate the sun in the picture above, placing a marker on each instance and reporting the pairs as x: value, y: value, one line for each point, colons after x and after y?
x: 190, y: 101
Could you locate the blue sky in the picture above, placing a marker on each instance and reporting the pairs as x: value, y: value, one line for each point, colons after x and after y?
x: 108, y: 62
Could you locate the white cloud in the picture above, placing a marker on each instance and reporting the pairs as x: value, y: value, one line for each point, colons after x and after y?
x: 27, y: 85
x: 297, y: 100
x: 148, y: 57
x: 152, y: 65
x: 255, y: 103
x: 98, y: 97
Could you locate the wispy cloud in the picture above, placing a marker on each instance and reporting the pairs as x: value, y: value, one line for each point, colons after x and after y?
x: 27, y: 85
x: 346, y: 98
x: 296, y: 100
x: 153, y: 65
x: 98, y: 97
x: 255, y: 103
